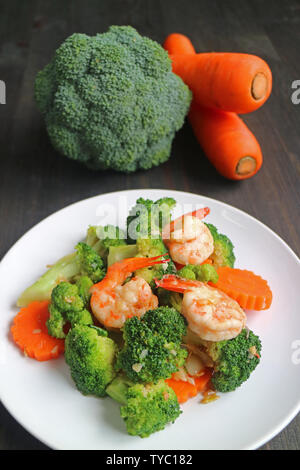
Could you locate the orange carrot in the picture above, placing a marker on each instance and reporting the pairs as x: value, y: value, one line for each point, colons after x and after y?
x: 185, y: 390
x: 229, y: 81
x: 30, y: 333
x: 249, y: 290
x: 227, y: 142
x: 178, y: 44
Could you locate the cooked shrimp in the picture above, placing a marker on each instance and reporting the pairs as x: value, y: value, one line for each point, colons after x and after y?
x: 189, y: 240
x: 210, y: 313
x: 112, y: 301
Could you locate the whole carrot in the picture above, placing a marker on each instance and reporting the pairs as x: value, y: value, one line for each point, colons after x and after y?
x: 229, y: 81
x: 178, y: 44
x: 226, y: 140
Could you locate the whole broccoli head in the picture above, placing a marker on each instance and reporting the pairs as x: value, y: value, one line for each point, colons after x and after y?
x: 68, y: 304
x: 223, y: 254
x: 148, y: 353
x: 147, y: 217
x: 146, y: 408
x: 234, y: 360
x: 90, y: 355
x: 111, y: 101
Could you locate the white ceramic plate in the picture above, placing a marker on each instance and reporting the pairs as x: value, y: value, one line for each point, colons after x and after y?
x: 43, y: 398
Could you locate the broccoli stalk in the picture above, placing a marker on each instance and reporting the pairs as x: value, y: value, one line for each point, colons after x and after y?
x: 85, y: 261
x: 145, y: 408
x: 91, y: 357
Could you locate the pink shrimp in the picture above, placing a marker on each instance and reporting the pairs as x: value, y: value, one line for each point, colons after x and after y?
x: 189, y: 240
x: 210, y: 313
x: 112, y: 301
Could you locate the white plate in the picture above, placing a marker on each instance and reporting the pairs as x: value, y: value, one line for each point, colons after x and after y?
x: 43, y: 398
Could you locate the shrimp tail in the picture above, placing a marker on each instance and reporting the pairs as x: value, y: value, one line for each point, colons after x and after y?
x: 176, y: 284
x: 132, y: 264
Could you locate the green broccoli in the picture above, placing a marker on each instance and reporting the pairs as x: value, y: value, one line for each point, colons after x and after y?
x: 148, y: 247
x: 146, y: 408
x: 203, y: 273
x: 223, y: 254
x: 85, y: 261
x: 101, y: 238
x: 84, y: 284
x: 166, y: 322
x: 91, y: 357
x: 67, y: 305
x: 148, y: 353
x: 147, y: 218
x: 91, y: 263
x: 111, y: 101
x: 234, y: 360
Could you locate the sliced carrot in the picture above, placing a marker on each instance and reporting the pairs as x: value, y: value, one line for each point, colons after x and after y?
x: 249, y: 290
x: 185, y: 390
x: 30, y: 333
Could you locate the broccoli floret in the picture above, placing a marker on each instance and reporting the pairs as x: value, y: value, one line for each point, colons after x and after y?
x: 148, y: 355
x: 146, y: 408
x: 101, y: 238
x: 234, y: 360
x: 148, y: 247
x: 147, y: 218
x: 66, y: 298
x: 67, y: 305
x: 166, y: 322
x: 223, y: 254
x: 111, y: 101
x: 203, y: 273
x: 90, y: 357
x: 91, y: 262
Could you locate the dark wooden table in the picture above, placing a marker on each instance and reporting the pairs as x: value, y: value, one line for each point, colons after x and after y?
x: 35, y: 181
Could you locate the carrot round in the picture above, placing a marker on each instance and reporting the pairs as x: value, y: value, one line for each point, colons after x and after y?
x: 185, y: 390
x: 229, y: 81
x: 30, y: 333
x: 251, y: 292
x: 227, y: 142
x: 177, y: 43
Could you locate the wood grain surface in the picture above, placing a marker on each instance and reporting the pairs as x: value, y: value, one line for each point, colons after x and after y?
x: 35, y: 181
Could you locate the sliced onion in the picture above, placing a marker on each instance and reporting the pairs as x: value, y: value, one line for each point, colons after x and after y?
x: 194, y: 365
